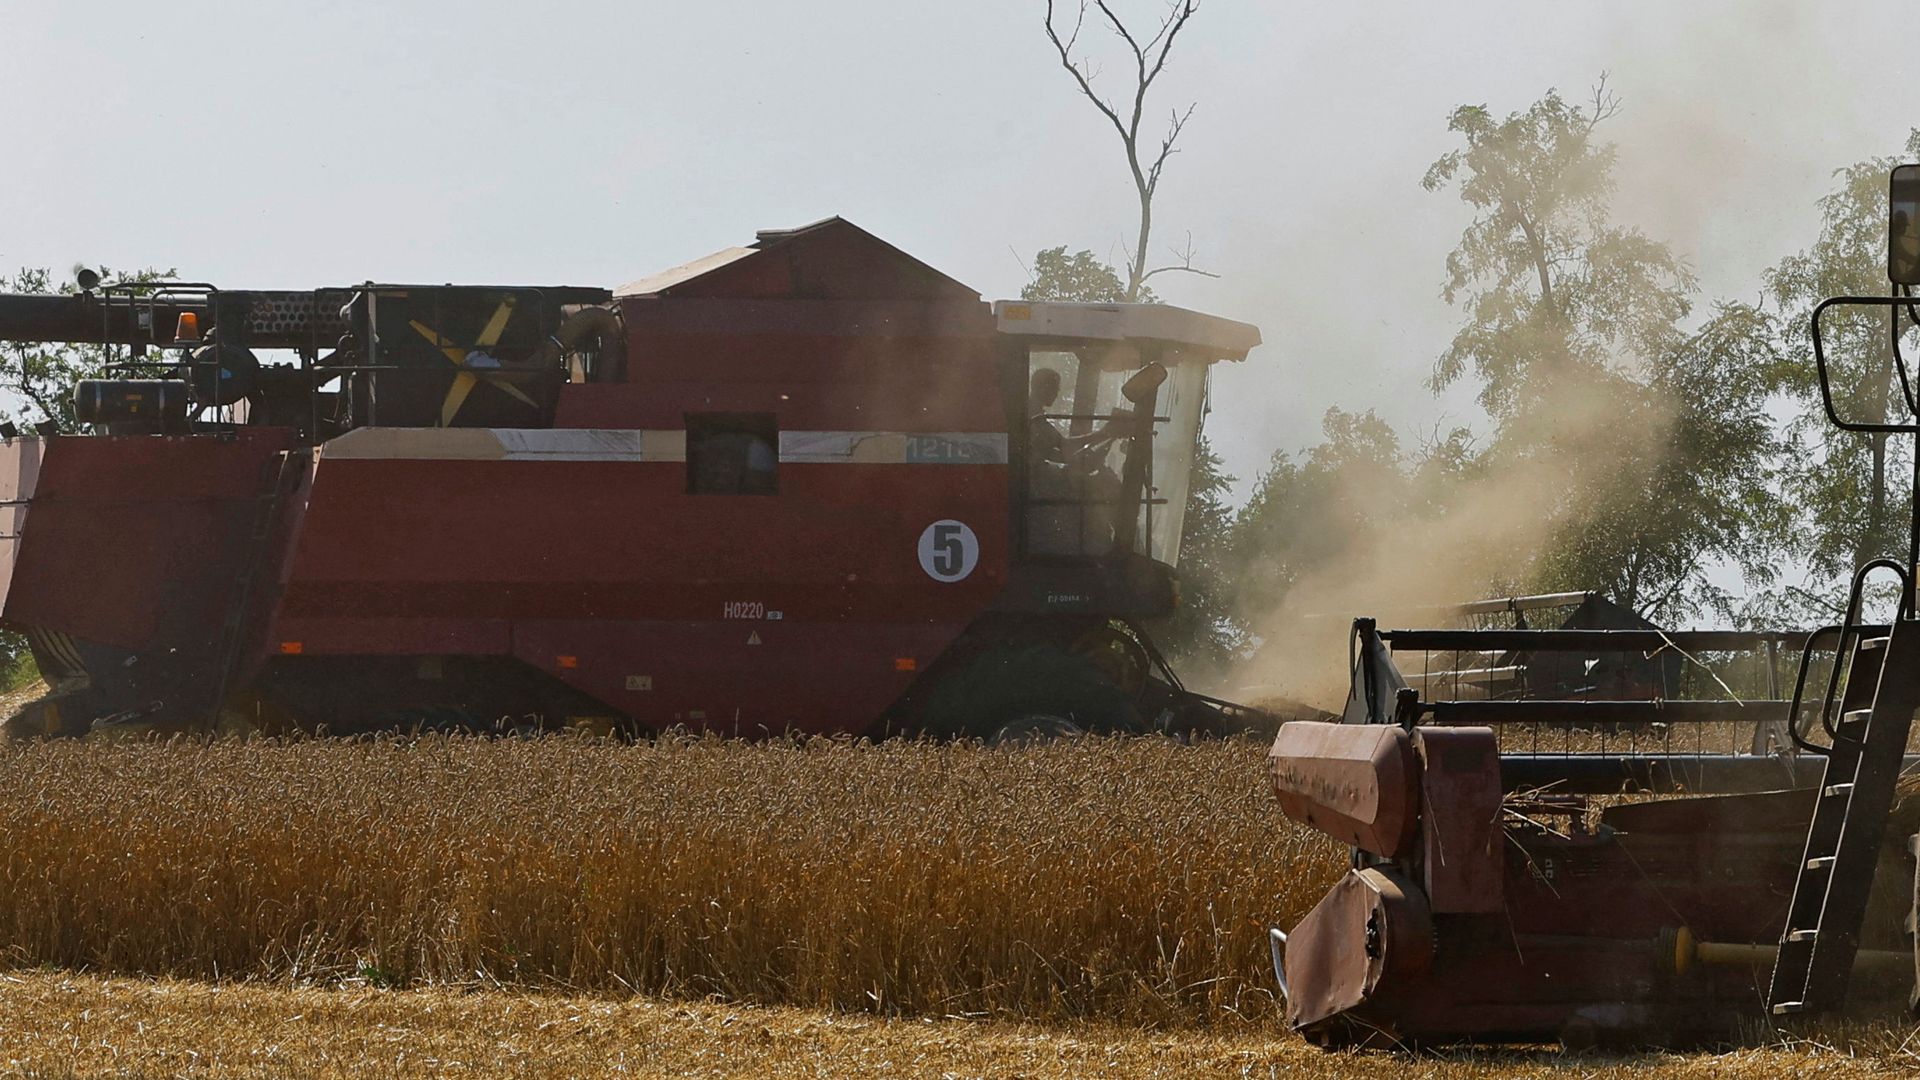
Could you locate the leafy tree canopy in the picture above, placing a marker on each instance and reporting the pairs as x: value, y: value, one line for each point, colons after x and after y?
x: 37, y: 380
x: 1644, y: 448
x: 1547, y: 280
x: 1851, y: 488
x: 1081, y: 277
x: 1305, y: 513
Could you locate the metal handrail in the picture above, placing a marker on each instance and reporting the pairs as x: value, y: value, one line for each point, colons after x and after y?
x: 1849, y: 633
x: 1605, y: 711
x: 1502, y: 640
x: 1826, y: 383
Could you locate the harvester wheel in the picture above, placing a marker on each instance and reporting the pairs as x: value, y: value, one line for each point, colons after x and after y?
x: 51, y: 716
x: 1117, y: 654
x: 1012, y: 683
x: 1036, y: 728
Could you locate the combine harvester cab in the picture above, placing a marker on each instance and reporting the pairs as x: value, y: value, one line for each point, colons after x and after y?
x: 1503, y: 890
x: 810, y: 485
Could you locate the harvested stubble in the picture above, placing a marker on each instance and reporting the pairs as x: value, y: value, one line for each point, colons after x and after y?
x: 1126, y: 879
x: 66, y: 1026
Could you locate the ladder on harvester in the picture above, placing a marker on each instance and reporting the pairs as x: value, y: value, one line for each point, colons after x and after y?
x: 1835, y: 876
x: 282, y: 475
x: 1868, y: 741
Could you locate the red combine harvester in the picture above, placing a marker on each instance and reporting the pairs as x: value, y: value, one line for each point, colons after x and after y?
x: 1499, y: 892
x: 811, y: 484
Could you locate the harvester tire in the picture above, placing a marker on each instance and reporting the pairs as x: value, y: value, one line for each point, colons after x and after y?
x: 1117, y: 654
x: 1014, y: 683
x: 1038, y: 728
x: 52, y: 716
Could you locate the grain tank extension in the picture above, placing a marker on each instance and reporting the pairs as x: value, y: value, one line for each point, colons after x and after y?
x: 809, y: 484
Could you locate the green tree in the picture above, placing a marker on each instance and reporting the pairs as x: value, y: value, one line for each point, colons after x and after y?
x: 1081, y: 277
x: 1686, y: 481
x: 1549, y: 284
x: 37, y: 380
x: 1305, y: 515
x: 1645, y: 449
x: 1851, y: 488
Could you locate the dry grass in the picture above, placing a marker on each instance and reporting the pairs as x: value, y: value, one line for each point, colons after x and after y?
x: 64, y: 1026
x: 1123, y: 879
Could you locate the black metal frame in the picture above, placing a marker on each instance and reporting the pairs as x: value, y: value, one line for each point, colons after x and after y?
x: 224, y: 323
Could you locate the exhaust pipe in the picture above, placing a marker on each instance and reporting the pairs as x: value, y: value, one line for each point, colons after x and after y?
x: 584, y: 323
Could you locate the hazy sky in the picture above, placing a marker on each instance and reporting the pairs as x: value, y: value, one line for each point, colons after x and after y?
x: 290, y: 145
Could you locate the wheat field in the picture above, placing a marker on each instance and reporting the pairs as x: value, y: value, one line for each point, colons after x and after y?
x: 1126, y: 880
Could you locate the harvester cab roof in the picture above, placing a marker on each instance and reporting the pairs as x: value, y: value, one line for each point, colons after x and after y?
x: 581, y: 493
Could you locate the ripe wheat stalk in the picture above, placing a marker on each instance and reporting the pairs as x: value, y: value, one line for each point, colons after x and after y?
x: 1124, y: 879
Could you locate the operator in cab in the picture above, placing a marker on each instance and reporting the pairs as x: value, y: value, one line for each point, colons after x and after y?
x: 1044, y: 440
x: 1068, y: 477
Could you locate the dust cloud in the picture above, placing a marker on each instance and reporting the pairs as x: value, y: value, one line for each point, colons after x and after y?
x: 1702, y: 166
x: 1445, y: 539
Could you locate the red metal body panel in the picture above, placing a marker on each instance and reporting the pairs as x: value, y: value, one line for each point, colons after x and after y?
x: 833, y: 257
x: 615, y: 566
x: 736, y: 677
x: 510, y: 539
x: 1386, y: 917
x: 817, y: 365
x: 1463, y: 843
x: 1354, y: 782
x: 611, y: 577
x: 133, y: 541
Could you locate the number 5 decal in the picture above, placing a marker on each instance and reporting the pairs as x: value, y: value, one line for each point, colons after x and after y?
x: 948, y: 550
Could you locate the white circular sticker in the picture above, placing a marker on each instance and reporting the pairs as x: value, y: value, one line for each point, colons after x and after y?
x: 948, y: 550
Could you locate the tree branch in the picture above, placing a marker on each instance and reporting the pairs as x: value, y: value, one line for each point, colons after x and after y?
x: 1174, y: 126
x: 1149, y: 60
x: 1066, y: 60
x: 1184, y: 266
x: 1605, y: 104
x: 1176, y: 19
x: 1180, y: 268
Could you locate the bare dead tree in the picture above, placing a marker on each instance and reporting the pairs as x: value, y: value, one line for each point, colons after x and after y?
x: 1150, y: 59
x: 1605, y: 103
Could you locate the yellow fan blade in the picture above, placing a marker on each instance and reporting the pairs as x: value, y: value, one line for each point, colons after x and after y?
x: 454, y: 352
x: 502, y: 384
x: 456, y: 396
x: 496, y: 326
